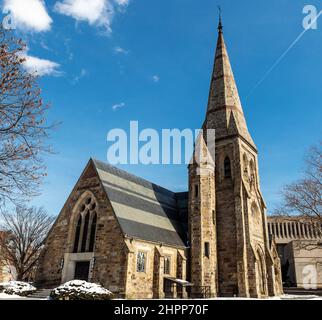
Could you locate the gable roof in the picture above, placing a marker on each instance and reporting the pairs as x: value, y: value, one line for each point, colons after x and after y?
x: 145, y: 210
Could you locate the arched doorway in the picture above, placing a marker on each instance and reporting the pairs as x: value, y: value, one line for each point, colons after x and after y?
x: 261, y: 272
x: 79, y: 258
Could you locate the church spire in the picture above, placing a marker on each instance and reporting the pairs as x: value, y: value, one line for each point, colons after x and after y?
x: 225, y: 113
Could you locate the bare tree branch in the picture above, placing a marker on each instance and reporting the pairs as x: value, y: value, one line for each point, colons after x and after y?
x: 22, y: 124
x: 304, y: 197
x: 25, y: 231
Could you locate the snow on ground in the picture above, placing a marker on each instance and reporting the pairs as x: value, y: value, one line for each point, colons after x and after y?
x: 4, y: 296
x: 296, y: 297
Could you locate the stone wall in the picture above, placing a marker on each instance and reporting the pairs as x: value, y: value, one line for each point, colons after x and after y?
x: 7, y: 273
x: 3, y: 272
x: 114, y: 260
x: 226, y: 224
x: 202, y: 222
x: 108, y: 265
x: 149, y: 284
x: 305, y: 263
x: 297, y: 240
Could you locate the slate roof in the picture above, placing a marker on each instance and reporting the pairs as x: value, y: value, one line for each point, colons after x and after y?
x: 145, y: 210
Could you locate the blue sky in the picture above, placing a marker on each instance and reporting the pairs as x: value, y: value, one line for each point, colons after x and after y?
x: 154, y: 58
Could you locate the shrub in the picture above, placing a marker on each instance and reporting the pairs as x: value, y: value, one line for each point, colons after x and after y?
x: 80, y: 290
x: 17, y: 288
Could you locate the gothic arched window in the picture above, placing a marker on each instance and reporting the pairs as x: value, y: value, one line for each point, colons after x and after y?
x: 167, y: 265
x: 252, y: 172
x: 86, y: 226
x: 227, y: 168
x: 245, y: 164
x: 252, y: 167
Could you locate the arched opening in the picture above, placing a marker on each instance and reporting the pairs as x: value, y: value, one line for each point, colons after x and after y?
x: 251, y: 166
x: 77, y: 233
x: 227, y: 168
x: 85, y: 231
x: 93, y: 233
x: 245, y: 165
x: 252, y: 173
x: 261, y: 271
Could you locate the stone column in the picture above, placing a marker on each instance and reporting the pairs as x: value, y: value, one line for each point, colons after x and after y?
x: 287, y: 225
x: 293, y: 230
x: 308, y: 228
x: 282, y: 229
x: 275, y: 229
x: 182, y: 271
x: 270, y: 228
x: 315, y: 231
x: 128, y: 290
x: 303, y: 230
x: 158, y: 272
x: 299, y: 229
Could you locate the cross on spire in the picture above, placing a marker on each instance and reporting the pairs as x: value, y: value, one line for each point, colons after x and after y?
x: 220, y: 26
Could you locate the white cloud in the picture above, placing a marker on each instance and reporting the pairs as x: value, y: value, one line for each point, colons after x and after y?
x: 28, y: 15
x: 95, y: 12
x: 81, y: 75
x: 44, y: 45
x: 69, y: 52
x: 40, y: 67
x: 118, y: 106
x: 156, y: 78
x: 122, y: 2
x: 120, y: 50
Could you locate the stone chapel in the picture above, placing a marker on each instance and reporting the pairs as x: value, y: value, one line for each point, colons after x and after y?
x: 140, y: 240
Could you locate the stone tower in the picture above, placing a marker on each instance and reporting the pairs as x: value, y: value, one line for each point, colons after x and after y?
x: 202, y: 219
x: 228, y: 209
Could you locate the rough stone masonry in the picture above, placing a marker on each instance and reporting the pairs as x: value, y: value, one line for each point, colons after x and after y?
x: 140, y: 240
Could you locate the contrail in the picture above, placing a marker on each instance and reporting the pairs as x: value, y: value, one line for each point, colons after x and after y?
x: 282, y: 57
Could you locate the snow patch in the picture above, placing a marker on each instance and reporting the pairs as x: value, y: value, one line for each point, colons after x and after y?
x: 296, y: 297
x: 82, y: 290
x: 4, y: 296
x: 16, y: 288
